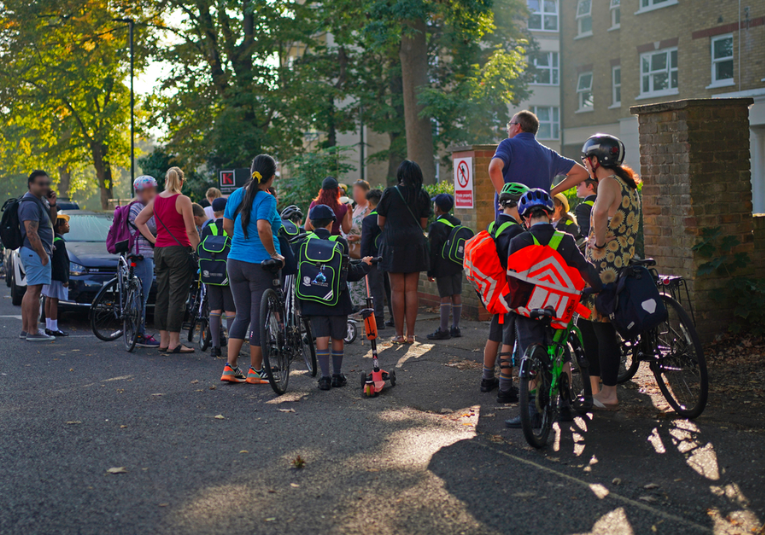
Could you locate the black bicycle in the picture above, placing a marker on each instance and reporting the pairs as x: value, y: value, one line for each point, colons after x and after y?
x: 673, y: 351
x: 118, y: 306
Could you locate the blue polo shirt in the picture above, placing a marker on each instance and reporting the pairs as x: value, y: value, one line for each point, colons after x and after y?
x: 530, y: 163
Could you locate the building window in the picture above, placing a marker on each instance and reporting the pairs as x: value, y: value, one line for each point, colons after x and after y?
x: 648, y: 5
x: 616, y: 84
x: 584, y: 18
x: 616, y: 14
x: 547, y: 68
x: 584, y: 91
x: 658, y: 73
x: 549, y: 125
x: 544, y: 15
x: 722, y: 60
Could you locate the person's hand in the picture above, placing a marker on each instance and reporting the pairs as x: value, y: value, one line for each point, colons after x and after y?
x: 367, y: 260
x: 45, y: 259
x: 353, y: 238
x: 52, y: 198
x: 277, y: 256
x: 432, y: 279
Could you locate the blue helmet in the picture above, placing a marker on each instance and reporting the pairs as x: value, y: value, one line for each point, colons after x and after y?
x: 535, y: 198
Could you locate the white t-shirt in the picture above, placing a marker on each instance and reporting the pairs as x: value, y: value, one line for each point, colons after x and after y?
x: 209, y: 212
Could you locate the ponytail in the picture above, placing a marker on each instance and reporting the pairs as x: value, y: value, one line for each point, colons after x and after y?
x: 262, y: 169
x: 629, y: 176
x: 174, y: 180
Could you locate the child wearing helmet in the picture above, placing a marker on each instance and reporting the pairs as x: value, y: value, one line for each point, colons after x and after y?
x: 562, y: 218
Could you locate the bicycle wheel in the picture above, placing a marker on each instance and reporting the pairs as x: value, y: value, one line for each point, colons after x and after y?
x: 579, y: 390
x: 629, y: 363
x: 205, y: 336
x: 308, y: 347
x: 276, y: 361
x: 535, y: 381
x: 680, y: 368
x: 105, y: 321
x: 131, y: 316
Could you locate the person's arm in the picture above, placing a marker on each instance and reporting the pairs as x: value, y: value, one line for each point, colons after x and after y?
x: 575, y: 175
x: 496, y: 166
x: 35, y: 243
x: 142, y: 219
x: 347, y: 220
x: 575, y: 258
x: 608, y: 191
x: 228, y: 226
x: 266, y: 236
x: 188, y: 220
x: 381, y: 221
x: 53, y: 210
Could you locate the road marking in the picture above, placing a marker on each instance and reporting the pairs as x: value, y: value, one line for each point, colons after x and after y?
x: 11, y: 316
x: 611, y: 494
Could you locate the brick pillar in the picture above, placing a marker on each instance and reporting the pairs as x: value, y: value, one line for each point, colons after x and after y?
x: 694, y: 159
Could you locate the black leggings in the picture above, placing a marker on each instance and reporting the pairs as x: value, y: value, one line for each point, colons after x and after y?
x: 601, y: 349
x: 248, y: 282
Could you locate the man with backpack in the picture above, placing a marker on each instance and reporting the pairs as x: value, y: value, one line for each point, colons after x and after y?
x: 446, y: 272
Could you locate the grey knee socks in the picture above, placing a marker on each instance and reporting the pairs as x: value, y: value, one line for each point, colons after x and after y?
x: 323, y: 357
x: 337, y: 362
x: 215, y: 328
x: 456, y: 313
x: 446, y: 308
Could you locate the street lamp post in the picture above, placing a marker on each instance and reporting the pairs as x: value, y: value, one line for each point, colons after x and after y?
x: 131, y: 23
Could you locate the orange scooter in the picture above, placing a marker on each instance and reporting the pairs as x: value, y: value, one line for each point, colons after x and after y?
x: 374, y: 382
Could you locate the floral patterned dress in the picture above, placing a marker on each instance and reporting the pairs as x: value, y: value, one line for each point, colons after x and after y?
x: 358, y: 290
x: 620, y: 237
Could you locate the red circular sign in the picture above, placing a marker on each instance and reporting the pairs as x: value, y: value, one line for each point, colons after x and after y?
x: 463, y: 174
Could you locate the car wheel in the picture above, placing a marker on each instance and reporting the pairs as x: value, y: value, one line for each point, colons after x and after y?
x: 17, y: 292
x: 8, y: 271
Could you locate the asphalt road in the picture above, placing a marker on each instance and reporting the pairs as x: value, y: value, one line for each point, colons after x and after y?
x: 428, y: 456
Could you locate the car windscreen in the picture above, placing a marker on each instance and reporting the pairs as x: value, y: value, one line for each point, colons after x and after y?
x: 93, y: 228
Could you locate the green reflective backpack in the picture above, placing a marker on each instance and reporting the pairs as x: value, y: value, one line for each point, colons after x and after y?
x: 213, y: 253
x: 454, y: 246
x: 320, y: 266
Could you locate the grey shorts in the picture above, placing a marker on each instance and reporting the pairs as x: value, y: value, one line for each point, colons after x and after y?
x: 504, y: 333
x: 336, y: 327
x: 56, y: 290
x: 220, y: 298
x: 448, y: 286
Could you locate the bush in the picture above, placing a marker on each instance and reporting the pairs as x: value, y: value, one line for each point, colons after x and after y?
x: 307, y: 171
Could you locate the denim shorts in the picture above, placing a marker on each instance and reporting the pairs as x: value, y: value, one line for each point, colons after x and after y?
x: 35, y: 271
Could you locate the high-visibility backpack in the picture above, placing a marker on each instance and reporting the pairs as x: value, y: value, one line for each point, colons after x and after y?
x: 213, y: 253
x: 320, y: 270
x: 454, y: 246
x: 538, y: 277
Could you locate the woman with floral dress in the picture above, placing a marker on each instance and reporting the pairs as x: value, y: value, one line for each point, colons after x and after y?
x: 615, y: 220
x: 358, y: 289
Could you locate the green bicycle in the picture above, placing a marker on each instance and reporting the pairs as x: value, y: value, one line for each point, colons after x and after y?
x: 549, y: 381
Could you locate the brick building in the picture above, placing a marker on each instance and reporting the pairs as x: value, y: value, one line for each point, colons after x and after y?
x: 621, y: 53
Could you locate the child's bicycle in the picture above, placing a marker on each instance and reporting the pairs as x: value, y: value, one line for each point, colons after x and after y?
x: 546, y: 383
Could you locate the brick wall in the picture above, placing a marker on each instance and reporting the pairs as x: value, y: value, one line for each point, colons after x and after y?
x: 692, y: 180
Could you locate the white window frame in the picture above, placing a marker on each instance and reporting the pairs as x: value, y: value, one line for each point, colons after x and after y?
x: 580, y: 17
x: 662, y: 92
x: 553, y: 67
x: 616, y: 10
x: 725, y: 82
x: 652, y: 5
x: 616, y: 102
x: 580, y: 92
x: 545, y: 14
x: 553, y: 122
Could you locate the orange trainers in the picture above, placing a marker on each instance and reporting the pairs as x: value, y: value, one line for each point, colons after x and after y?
x: 233, y: 375
x: 256, y: 377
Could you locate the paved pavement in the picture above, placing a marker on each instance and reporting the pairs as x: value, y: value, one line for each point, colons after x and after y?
x: 428, y: 456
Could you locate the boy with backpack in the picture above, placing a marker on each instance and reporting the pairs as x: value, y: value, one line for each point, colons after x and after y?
x: 370, y: 246
x: 587, y: 191
x: 57, y: 290
x: 507, y: 226
x: 536, y: 207
x: 213, y: 251
x: 323, y: 270
x: 443, y: 270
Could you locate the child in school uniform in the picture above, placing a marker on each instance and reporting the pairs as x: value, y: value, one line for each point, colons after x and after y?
x: 330, y: 322
x: 370, y: 246
x: 58, y: 289
x: 446, y: 273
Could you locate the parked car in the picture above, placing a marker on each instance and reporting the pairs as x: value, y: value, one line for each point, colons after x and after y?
x: 90, y: 265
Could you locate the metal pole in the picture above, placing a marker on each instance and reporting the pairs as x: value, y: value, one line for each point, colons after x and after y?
x: 132, y: 115
x: 361, y: 129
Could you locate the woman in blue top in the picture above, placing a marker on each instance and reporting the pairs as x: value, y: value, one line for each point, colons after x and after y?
x: 253, y: 223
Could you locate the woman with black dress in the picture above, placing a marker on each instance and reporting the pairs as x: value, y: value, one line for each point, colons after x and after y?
x: 402, y: 214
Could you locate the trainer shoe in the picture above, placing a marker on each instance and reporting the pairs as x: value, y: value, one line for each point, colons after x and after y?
x: 536, y: 420
x: 339, y: 380
x: 390, y: 323
x: 509, y: 396
x: 215, y: 352
x: 438, y: 334
x: 23, y: 335
x: 380, y: 324
x: 232, y: 374
x: 487, y: 385
x: 256, y: 377
x: 325, y: 383
x: 147, y: 341
x: 455, y: 332
x: 39, y: 337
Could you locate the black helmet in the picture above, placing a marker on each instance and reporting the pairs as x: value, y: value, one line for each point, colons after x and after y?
x: 607, y: 148
x: 292, y: 213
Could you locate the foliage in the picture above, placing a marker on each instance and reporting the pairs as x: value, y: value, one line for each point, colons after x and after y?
x: 723, y: 260
x: 306, y: 171
x: 158, y: 162
x: 445, y: 186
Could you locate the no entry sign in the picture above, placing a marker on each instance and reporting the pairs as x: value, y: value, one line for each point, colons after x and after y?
x: 463, y: 183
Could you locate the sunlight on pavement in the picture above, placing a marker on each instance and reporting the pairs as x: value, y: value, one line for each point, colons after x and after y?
x: 599, y: 490
x: 701, y: 459
x: 613, y: 523
x: 288, y: 397
x: 415, y: 350
x: 656, y: 441
x: 735, y: 523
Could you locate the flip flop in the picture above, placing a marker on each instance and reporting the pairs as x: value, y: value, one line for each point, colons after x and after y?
x: 179, y: 349
x: 408, y: 341
x: 162, y: 349
x: 398, y: 340
x: 596, y: 403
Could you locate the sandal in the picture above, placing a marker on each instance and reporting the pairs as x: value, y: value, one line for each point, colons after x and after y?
x: 180, y: 348
x: 162, y: 349
x: 410, y: 339
x: 398, y: 340
x: 597, y: 404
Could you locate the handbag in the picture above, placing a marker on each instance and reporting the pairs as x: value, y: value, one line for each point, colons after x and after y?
x: 192, y: 260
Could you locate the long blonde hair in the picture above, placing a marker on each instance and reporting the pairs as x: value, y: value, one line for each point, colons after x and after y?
x: 174, y: 180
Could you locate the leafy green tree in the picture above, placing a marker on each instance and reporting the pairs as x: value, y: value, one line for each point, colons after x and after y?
x: 306, y: 172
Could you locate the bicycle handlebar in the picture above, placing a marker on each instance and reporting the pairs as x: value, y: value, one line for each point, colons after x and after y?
x: 375, y: 260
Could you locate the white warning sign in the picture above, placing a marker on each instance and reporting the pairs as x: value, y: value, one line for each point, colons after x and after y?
x: 463, y: 183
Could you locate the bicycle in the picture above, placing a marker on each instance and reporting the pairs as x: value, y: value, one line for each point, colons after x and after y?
x: 118, y: 306
x: 544, y: 381
x: 673, y: 351
x: 284, y: 334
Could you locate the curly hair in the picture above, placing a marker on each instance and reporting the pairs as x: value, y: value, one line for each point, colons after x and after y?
x: 330, y: 197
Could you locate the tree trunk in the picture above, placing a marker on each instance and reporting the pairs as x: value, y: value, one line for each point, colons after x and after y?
x: 394, y: 158
x: 103, y: 168
x: 414, y: 74
x: 331, y: 140
x: 64, y: 180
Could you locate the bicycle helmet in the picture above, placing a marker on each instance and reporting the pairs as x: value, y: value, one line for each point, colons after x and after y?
x: 535, y: 198
x: 512, y: 191
x: 607, y: 148
x: 143, y: 182
x: 292, y: 213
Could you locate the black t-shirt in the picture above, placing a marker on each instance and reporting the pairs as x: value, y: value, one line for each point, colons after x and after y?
x: 403, y: 216
x: 59, y: 263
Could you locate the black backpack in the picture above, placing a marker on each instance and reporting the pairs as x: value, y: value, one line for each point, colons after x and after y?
x: 454, y: 246
x: 635, y: 305
x: 320, y: 270
x: 213, y: 253
x: 10, y: 226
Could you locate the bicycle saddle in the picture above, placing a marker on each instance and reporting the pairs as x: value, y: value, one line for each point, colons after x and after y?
x: 271, y: 265
x: 539, y: 313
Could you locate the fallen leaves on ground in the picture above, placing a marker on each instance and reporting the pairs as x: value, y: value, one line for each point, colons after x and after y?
x: 298, y: 463
x: 464, y: 364
x: 219, y: 417
x: 117, y: 470
x: 73, y: 422
x: 286, y: 410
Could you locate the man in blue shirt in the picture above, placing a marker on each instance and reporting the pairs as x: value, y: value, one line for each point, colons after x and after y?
x: 521, y: 158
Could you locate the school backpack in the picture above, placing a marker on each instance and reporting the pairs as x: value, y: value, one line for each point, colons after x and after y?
x: 635, y: 305
x: 538, y: 277
x: 213, y: 253
x: 454, y: 246
x: 485, y: 272
x: 10, y: 226
x: 289, y: 228
x: 320, y: 270
x: 119, y: 239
